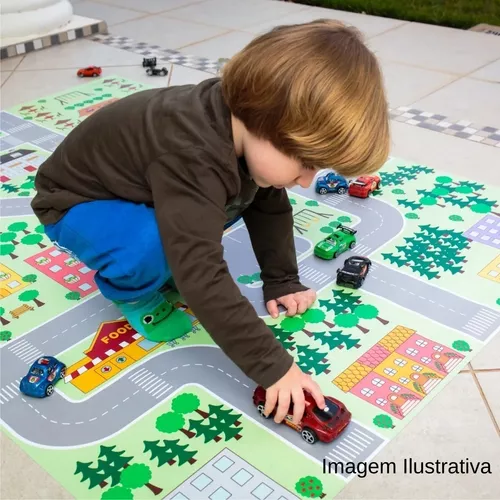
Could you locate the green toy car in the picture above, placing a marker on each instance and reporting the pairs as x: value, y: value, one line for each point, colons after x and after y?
x: 336, y: 243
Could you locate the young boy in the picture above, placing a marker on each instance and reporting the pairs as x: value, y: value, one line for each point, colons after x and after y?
x: 143, y: 189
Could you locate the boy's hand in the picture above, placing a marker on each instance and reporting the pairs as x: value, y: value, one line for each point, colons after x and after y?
x: 290, y: 387
x: 295, y: 303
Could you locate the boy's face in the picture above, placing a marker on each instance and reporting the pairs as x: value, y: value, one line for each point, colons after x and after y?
x: 269, y: 167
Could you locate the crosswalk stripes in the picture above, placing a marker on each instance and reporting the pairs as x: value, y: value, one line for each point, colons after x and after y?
x: 311, y: 274
x: 150, y: 383
x: 361, y: 249
x: 333, y: 200
x: 481, y: 321
x: 25, y: 351
x: 9, y: 392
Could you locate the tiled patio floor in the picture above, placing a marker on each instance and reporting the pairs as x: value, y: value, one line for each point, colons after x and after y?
x: 438, y: 70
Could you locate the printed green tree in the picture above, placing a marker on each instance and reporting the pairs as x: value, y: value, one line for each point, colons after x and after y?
x: 9, y: 188
x: 170, y: 452
x: 73, y: 296
x: 5, y: 335
x: 110, y: 462
x: 383, y: 421
x: 171, y: 422
x: 8, y: 249
x: 226, y: 421
x: 249, y: 279
x: 30, y: 278
x: 9, y: 237
x: 461, y: 345
x: 29, y: 295
x: 310, y: 487
x: 283, y: 336
x: 312, y: 360
x: 403, y: 174
x: 431, y: 249
x: 132, y: 477
x: 33, y: 239
x: 3, y: 321
x: 19, y: 226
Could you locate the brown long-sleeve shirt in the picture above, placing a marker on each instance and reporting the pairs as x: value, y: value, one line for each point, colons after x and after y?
x: 173, y: 149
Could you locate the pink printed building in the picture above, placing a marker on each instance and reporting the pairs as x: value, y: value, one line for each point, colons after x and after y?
x: 65, y: 270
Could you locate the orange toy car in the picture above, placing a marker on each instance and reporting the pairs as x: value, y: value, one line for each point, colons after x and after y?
x: 89, y: 71
x: 363, y: 186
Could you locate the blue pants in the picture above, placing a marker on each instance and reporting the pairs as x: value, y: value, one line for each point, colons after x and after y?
x: 119, y: 240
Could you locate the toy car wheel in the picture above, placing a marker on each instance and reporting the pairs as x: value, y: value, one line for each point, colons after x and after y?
x: 149, y: 71
x: 260, y: 409
x: 341, y: 190
x: 351, y: 245
x: 94, y: 75
x: 80, y: 74
x: 323, y: 191
x: 62, y: 374
x: 49, y: 390
x: 164, y: 71
x: 309, y: 436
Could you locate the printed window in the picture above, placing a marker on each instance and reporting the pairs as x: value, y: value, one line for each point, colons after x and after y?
x: 400, y: 362
x: 411, y: 351
x: 378, y: 382
x: 404, y: 380
x: 421, y: 342
x: 417, y: 368
x: 438, y: 348
x: 381, y: 401
x: 425, y: 360
x: 367, y: 392
x: 390, y: 371
x: 395, y: 388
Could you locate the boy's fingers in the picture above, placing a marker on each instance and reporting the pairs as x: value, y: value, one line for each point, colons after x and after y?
x: 283, y: 405
x: 298, y: 405
x: 272, y: 308
x: 303, y: 304
x: 316, y: 393
x: 291, y: 304
x: 271, y: 398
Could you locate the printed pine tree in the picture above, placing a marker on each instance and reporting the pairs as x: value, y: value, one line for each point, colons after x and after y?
x: 170, y: 452
x: 208, y: 431
x: 337, y: 339
x: 312, y: 360
x: 283, y: 336
x: 343, y: 301
x: 226, y: 415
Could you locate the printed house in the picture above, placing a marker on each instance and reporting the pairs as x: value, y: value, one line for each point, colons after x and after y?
x: 399, y: 371
x: 486, y: 231
x: 10, y: 282
x: 65, y: 270
x: 492, y: 270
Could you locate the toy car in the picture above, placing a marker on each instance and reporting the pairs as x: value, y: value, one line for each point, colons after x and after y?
x: 336, y: 243
x: 156, y: 71
x: 331, y: 183
x: 42, y: 376
x: 148, y: 61
x: 363, y: 186
x: 89, y: 71
x: 354, y: 271
x: 316, y: 424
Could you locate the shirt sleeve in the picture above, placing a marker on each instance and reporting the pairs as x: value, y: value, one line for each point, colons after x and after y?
x: 189, y: 202
x: 269, y: 221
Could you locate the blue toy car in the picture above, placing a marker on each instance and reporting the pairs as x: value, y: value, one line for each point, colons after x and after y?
x: 331, y: 183
x: 42, y: 376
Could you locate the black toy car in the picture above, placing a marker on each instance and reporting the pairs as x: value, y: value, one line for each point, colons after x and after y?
x: 149, y: 61
x: 354, y: 272
x: 157, y: 71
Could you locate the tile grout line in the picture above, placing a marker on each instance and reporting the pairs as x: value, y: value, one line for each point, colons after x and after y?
x: 463, y: 129
x: 485, y: 400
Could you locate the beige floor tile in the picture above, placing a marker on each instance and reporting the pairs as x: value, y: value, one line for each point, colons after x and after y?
x: 444, y: 152
x: 406, y: 84
x: 454, y: 426
x: 236, y: 14
x: 166, y: 32
x: 437, y: 48
x: 150, y: 6
x: 490, y: 383
x: 4, y: 75
x: 23, y: 479
x: 11, y: 63
x: 109, y: 13
x: 481, y: 105
x: 221, y: 46
x: 368, y: 25
x: 490, y: 72
x: 78, y: 54
x: 489, y: 357
x: 185, y: 76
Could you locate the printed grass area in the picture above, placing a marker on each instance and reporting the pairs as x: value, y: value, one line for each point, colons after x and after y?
x: 194, y: 432
x: 438, y: 209
x: 343, y: 325
x: 454, y: 13
x: 29, y: 297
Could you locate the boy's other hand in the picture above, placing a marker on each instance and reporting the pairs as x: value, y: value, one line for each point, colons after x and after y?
x: 295, y: 303
x: 290, y: 388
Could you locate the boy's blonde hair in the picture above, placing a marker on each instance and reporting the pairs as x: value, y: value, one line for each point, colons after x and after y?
x: 316, y: 92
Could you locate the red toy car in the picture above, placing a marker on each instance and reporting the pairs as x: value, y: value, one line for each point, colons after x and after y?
x: 316, y: 425
x: 89, y: 71
x: 363, y: 186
